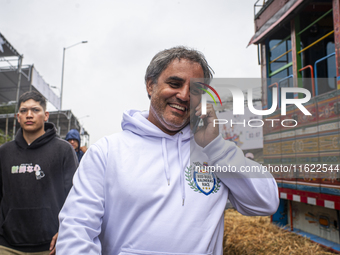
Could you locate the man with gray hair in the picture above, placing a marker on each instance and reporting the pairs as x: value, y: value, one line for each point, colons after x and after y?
x: 145, y: 191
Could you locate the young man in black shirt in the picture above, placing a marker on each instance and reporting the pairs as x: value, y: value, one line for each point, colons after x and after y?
x: 36, y: 171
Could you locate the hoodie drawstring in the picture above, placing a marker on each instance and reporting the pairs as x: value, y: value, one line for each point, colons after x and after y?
x: 165, y: 159
x: 181, y: 165
x: 166, y: 164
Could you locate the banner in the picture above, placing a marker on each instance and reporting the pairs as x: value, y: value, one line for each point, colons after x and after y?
x: 38, y: 82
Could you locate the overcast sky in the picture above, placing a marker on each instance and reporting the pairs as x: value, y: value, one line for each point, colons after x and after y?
x: 105, y: 77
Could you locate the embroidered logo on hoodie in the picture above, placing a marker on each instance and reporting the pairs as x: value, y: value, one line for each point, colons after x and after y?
x: 201, y: 180
x: 28, y: 168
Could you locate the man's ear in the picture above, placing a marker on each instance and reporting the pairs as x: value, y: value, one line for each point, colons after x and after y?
x: 149, y: 87
x: 17, y: 116
x: 47, y: 115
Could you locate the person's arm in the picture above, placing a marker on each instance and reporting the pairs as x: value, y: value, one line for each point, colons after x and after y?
x: 52, y: 244
x: 251, y: 193
x: 80, y: 218
x: 70, y: 165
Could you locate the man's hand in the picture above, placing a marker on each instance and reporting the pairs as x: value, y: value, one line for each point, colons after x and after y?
x: 52, y: 245
x: 207, y: 133
x: 83, y: 148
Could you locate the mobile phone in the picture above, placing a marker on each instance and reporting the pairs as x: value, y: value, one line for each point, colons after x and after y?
x: 196, y: 121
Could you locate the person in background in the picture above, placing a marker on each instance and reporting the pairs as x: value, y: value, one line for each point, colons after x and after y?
x: 36, y: 171
x: 250, y: 155
x: 73, y: 137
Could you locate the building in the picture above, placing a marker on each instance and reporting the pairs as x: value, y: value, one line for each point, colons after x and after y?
x: 15, y: 79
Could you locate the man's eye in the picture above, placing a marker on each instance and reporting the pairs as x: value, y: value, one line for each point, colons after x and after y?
x: 23, y: 111
x: 36, y: 110
x: 174, y: 84
x: 195, y: 91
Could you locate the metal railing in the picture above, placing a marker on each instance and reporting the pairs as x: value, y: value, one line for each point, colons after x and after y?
x: 316, y: 71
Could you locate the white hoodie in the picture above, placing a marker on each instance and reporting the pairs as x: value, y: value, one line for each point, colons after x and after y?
x: 135, y: 192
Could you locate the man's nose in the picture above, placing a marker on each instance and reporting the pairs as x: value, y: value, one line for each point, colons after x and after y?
x: 184, y: 93
x: 29, y: 113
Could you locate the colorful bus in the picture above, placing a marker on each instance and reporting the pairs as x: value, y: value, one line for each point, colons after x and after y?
x: 299, y: 46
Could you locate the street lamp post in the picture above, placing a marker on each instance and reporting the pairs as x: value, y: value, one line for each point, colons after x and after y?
x: 62, y: 72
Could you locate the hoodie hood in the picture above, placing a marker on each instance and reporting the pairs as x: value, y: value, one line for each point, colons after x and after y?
x: 50, y: 133
x: 137, y: 122
x: 73, y: 134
